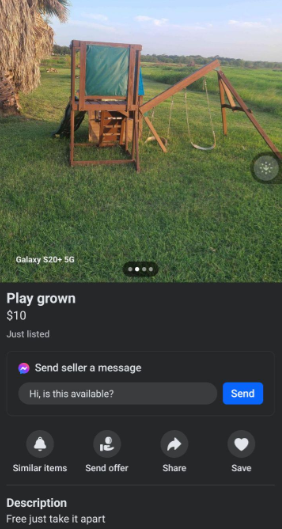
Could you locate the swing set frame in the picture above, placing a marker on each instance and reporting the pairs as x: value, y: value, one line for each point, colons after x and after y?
x: 131, y: 107
x: 225, y: 89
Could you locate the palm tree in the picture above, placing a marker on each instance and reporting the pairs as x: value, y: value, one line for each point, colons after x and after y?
x: 58, y: 8
x: 25, y: 38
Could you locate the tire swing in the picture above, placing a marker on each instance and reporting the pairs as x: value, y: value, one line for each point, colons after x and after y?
x: 205, y: 87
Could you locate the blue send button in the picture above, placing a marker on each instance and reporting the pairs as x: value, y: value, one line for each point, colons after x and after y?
x: 239, y: 393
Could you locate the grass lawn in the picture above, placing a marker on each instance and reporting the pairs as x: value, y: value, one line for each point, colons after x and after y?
x: 200, y: 215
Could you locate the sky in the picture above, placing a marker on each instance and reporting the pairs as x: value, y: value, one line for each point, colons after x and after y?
x: 249, y: 29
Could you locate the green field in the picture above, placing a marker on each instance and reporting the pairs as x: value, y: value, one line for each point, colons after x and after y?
x: 200, y: 215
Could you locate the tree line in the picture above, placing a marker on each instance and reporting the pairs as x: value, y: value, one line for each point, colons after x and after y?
x: 193, y: 60
x: 61, y: 50
x: 190, y: 60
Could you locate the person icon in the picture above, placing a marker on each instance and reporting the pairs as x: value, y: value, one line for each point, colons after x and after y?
x: 107, y: 446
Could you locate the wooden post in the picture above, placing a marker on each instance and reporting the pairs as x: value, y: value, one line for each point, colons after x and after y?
x: 223, y: 109
x: 72, y: 138
x: 73, y: 67
x: 250, y: 116
x: 72, y: 102
x: 102, y: 125
x: 140, y: 102
x: 82, y: 76
x: 126, y: 134
x: 122, y: 131
x: 132, y: 64
x: 133, y: 138
x: 136, y: 112
x: 137, y: 160
x: 137, y: 76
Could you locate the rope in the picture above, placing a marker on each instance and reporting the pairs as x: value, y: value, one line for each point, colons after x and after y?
x: 164, y: 140
x: 205, y: 87
x: 187, y: 117
x: 152, y: 120
x: 209, y: 105
x: 170, y: 116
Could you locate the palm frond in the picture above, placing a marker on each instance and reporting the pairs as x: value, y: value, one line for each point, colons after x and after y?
x: 24, y: 40
x: 58, y: 8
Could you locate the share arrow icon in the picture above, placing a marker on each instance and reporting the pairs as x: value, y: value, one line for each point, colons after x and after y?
x: 174, y: 444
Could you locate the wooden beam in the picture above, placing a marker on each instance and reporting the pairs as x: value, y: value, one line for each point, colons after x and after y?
x: 137, y: 158
x: 72, y: 137
x: 137, y: 77
x: 251, y: 116
x: 140, y: 102
x: 73, y: 66
x: 107, y: 98
x: 229, y: 95
x: 122, y: 132
x: 110, y: 44
x: 126, y: 135
x: 133, y: 138
x: 82, y: 79
x: 111, y: 106
x: 179, y: 86
x: 102, y: 124
x: 236, y: 109
x: 152, y: 128
x: 102, y: 162
x: 89, y: 144
x: 130, y: 88
x: 223, y: 107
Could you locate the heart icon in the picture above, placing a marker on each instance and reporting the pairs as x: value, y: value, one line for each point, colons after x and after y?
x: 241, y: 444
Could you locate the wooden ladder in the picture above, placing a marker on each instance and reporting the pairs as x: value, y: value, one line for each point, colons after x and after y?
x: 110, y: 129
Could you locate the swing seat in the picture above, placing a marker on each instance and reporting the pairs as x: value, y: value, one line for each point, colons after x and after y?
x: 205, y: 148
x: 152, y: 138
x: 198, y: 147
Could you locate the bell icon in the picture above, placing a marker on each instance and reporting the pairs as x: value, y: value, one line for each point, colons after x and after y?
x: 40, y: 444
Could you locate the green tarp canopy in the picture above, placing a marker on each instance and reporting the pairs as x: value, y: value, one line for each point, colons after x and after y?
x: 107, y: 71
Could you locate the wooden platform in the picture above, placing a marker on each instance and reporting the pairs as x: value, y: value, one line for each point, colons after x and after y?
x: 118, y: 106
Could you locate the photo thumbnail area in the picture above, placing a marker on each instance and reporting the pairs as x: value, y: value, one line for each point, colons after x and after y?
x: 140, y: 145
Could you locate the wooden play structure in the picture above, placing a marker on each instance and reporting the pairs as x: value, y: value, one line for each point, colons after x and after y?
x: 111, y: 91
x: 109, y: 78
